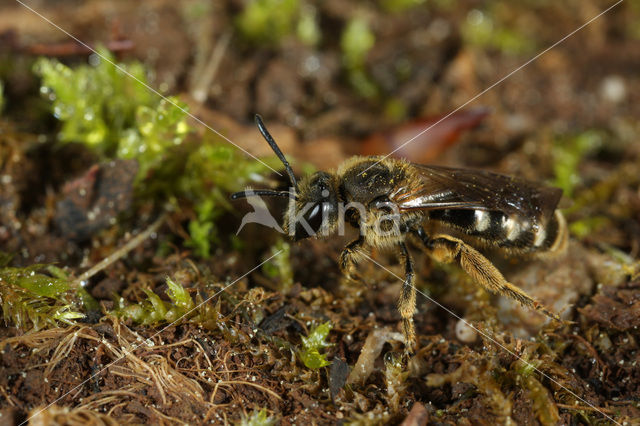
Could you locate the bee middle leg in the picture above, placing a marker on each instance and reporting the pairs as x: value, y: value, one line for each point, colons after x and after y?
x: 407, y: 300
x: 349, y: 259
x: 445, y: 249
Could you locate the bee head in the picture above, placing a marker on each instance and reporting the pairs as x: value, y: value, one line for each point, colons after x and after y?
x: 313, y: 204
x: 315, y: 209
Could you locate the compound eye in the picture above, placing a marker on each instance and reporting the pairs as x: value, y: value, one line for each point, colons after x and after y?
x: 314, y: 221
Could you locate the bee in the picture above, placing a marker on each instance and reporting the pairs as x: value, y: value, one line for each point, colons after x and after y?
x: 447, y: 211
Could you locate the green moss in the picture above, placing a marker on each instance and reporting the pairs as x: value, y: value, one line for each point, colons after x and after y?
x: 31, y: 299
x: 267, y: 21
x: 526, y: 368
x: 117, y: 116
x: 202, y: 230
x: 213, y: 171
x: 489, y: 29
x: 585, y: 227
x: 37, y: 283
x: 112, y: 111
x: 280, y: 267
x: 219, y: 167
x: 154, y: 310
x: 567, y: 156
x: 395, y: 377
x: 96, y: 104
x: 312, y: 344
x: 88, y: 302
x: 543, y: 404
x: 181, y: 300
x: 395, y: 110
x: 308, y: 29
x: 157, y: 129
x: 356, y: 41
x: 258, y: 418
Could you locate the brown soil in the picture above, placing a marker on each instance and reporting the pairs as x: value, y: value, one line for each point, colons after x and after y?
x: 106, y: 370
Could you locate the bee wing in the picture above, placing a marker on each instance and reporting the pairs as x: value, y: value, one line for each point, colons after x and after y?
x: 446, y: 187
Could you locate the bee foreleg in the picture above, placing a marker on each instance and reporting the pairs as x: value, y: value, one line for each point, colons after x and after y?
x: 349, y: 259
x: 445, y: 248
x: 407, y: 301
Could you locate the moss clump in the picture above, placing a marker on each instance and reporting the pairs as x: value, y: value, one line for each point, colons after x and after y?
x: 157, y: 130
x: 212, y: 172
x: 109, y: 107
x: 356, y: 42
x: 96, y: 104
x: 568, y: 153
x: 154, y: 310
x: 267, y: 20
x: 493, y: 28
x: 307, y: 28
x: 258, y: 418
x: 31, y: 299
x: 270, y: 21
x: 310, y: 353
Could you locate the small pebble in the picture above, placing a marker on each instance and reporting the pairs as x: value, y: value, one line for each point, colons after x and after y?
x: 613, y: 89
x: 465, y: 332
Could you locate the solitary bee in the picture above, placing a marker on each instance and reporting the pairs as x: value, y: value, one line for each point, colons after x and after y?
x: 446, y: 210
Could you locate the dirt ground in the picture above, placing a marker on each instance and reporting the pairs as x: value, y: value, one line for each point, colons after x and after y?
x: 567, y: 116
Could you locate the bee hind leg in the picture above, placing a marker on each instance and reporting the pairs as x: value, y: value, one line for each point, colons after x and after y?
x: 407, y: 300
x: 445, y: 249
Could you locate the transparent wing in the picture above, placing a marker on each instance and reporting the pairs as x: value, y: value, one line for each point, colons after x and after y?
x: 446, y: 187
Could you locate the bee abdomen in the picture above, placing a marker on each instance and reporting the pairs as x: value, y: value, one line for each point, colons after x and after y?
x: 509, y: 232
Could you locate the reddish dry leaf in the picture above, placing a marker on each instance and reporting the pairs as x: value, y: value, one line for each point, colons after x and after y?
x: 418, y: 416
x: 417, y: 144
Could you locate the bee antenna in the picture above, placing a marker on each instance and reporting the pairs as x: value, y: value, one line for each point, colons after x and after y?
x: 276, y: 149
x: 261, y: 193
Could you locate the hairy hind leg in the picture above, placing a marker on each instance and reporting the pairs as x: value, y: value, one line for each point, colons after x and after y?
x: 407, y: 300
x: 445, y: 248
